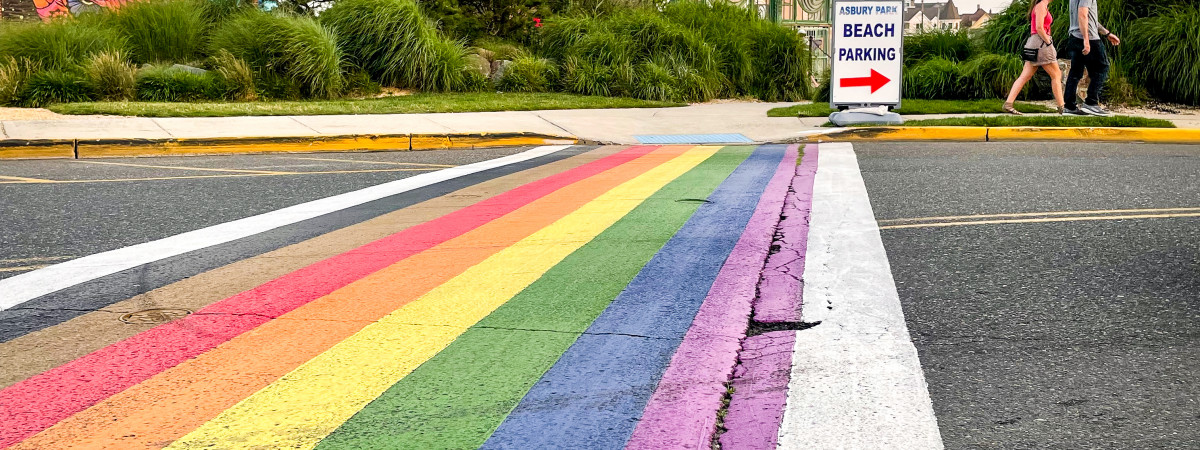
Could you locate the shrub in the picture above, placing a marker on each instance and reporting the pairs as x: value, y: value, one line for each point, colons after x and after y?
x: 234, y: 77
x: 59, y: 45
x: 990, y: 75
x: 528, y: 74
x: 935, y: 78
x: 296, y: 48
x: 395, y: 43
x: 111, y: 75
x: 1168, y: 53
x: 55, y: 86
x: 562, y: 33
x: 161, y: 30
x: 952, y: 45
x: 167, y: 84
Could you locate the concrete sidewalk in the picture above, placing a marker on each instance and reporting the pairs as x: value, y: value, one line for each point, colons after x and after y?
x: 619, y: 126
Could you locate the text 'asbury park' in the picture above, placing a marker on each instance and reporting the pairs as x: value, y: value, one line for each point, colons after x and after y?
x: 868, y: 30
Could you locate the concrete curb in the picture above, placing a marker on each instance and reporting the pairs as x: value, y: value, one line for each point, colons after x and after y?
x: 107, y: 148
x: 1002, y: 134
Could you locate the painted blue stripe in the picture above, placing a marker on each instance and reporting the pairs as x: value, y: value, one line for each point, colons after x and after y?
x: 594, y: 395
x: 730, y: 138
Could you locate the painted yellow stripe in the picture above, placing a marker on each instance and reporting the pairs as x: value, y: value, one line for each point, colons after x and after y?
x: 363, y: 161
x: 1041, y: 220
x: 25, y: 180
x: 238, y: 175
x: 200, y: 169
x: 307, y: 404
x: 21, y: 268
x: 1038, y: 214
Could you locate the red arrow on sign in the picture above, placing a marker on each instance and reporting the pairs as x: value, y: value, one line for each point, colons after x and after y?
x: 875, y: 81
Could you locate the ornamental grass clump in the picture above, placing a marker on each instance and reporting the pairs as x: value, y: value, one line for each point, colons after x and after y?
x: 158, y: 31
x: 13, y: 74
x: 61, y: 44
x: 935, y: 78
x: 990, y: 75
x: 394, y: 42
x: 727, y: 27
x: 171, y: 84
x: 952, y: 45
x: 55, y: 86
x: 1168, y: 56
x: 234, y: 77
x: 529, y: 74
x: 782, y: 63
x: 112, y: 77
x: 297, y: 49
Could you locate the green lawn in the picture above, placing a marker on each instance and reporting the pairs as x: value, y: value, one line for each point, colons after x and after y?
x: 408, y: 104
x: 912, y: 107
x: 1042, y: 121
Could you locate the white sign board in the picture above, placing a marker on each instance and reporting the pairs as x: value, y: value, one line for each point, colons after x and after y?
x: 868, y: 52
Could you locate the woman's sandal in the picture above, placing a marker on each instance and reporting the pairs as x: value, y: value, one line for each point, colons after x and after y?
x: 1008, y: 108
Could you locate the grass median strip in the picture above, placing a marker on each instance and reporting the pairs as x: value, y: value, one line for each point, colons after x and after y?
x: 457, y: 398
x: 915, y: 107
x: 1040, y: 121
x: 406, y: 104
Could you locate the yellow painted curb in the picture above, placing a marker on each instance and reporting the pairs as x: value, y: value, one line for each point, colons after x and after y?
x: 107, y: 148
x: 42, y: 148
x: 1163, y: 135
x: 906, y: 134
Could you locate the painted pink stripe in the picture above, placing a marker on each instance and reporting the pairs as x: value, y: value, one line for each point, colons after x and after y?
x: 682, y: 411
x: 35, y: 404
x: 760, y: 386
x: 782, y: 282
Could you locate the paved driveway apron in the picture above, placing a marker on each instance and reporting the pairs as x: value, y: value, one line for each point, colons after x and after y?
x: 1049, y: 331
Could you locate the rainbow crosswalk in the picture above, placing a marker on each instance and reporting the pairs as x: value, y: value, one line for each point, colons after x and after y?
x: 594, y: 301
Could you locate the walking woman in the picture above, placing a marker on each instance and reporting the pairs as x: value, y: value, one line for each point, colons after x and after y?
x: 1038, y: 52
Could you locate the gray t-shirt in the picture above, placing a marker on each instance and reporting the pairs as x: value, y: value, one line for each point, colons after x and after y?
x: 1093, y: 25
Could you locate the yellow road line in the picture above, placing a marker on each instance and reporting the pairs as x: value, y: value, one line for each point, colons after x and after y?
x: 1039, y: 220
x: 375, y: 162
x: 202, y: 169
x: 191, y: 177
x: 18, y: 269
x: 304, y: 406
x: 34, y: 259
x: 1039, y: 214
x: 25, y: 180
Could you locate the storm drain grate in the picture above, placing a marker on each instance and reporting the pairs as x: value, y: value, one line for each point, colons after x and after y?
x: 731, y: 138
x: 152, y: 316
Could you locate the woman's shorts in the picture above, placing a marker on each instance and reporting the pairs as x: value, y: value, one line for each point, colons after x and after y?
x: 1046, y: 53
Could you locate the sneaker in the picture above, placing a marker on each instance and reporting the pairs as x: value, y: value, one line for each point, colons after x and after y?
x: 1073, y: 112
x: 1095, y: 110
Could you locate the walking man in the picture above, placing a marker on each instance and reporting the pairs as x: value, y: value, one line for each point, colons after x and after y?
x: 1087, y: 52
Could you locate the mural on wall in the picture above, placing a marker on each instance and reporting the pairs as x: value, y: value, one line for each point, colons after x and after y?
x: 52, y: 8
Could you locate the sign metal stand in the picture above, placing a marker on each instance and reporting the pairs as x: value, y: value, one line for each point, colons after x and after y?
x: 867, y: 61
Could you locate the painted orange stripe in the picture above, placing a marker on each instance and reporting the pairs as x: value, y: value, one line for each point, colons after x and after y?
x: 180, y: 399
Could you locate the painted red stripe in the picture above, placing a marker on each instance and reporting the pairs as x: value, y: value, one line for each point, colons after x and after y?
x: 35, y: 404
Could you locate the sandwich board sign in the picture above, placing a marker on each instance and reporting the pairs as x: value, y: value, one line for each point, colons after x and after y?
x: 868, y: 53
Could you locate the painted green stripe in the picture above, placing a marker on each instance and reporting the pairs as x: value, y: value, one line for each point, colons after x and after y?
x: 458, y: 398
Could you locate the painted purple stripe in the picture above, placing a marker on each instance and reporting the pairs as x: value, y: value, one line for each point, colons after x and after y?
x: 760, y: 392
x: 683, y: 409
x: 782, y: 282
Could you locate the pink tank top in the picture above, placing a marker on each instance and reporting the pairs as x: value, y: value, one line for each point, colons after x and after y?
x: 1033, y: 22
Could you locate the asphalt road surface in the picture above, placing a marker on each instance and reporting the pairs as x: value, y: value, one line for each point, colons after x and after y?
x: 56, y: 210
x: 1064, y: 330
